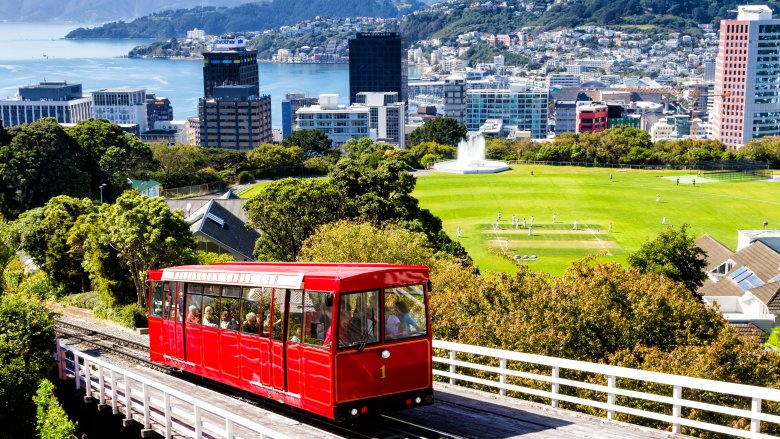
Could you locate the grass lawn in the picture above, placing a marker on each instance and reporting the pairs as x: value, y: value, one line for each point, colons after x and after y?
x: 586, y: 195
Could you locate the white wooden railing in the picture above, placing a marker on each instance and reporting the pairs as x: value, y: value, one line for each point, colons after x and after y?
x: 153, y: 404
x: 458, y: 370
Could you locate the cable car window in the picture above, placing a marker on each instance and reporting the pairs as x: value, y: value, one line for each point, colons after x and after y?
x: 193, y: 308
x: 167, y: 309
x: 405, y: 314
x: 156, y: 309
x: 228, y: 315
x: 231, y: 291
x: 212, y: 290
x: 250, y: 308
x: 317, y: 317
x: 358, y: 319
x: 278, y: 316
x: 211, y: 311
x: 295, y: 316
x: 194, y: 289
x: 178, y: 290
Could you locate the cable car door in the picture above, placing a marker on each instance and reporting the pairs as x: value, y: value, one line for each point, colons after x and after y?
x: 277, y: 320
x: 172, y: 325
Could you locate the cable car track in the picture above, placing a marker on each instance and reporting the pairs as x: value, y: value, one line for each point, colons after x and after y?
x: 383, y: 427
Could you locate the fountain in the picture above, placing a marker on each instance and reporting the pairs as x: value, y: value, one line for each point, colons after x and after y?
x: 471, y: 158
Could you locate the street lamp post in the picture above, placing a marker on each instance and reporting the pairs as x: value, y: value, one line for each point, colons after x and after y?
x: 101, y: 192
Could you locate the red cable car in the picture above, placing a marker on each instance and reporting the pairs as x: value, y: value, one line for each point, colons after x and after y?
x: 338, y: 340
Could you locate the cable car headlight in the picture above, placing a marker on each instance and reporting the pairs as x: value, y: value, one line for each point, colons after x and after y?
x: 353, y: 412
x: 385, y: 354
x: 417, y: 400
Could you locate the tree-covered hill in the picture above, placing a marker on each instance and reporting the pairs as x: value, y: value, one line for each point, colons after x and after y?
x: 449, y: 19
x: 247, y: 17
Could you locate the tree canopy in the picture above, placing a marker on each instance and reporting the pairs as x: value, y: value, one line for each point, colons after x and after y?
x: 673, y: 253
x: 126, y: 239
x: 314, y: 143
x: 442, y: 130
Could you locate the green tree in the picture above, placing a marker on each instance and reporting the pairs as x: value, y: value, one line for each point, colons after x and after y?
x: 113, y: 154
x: 5, y: 137
x: 51, y: 420
x: 40, y: 162
x: 673, y: 253
x: 26, y: 340
x: 314, y: 143
x: 43, y: 234
x: 268, y: 156
x: 138, y: 232
x: 442, y: 130
x: 287, y: 211
x: 349, y: 241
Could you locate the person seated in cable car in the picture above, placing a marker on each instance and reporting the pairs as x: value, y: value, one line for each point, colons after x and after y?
x: 393, y: 326
x: 226, y: 321
x: 250, y: 324
x: 408, y: 325
x: 209, y: 319
x: 296, y: 334
x: 344, y: 333
x: 193, y: 316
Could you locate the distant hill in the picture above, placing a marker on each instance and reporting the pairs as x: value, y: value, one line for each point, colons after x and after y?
x: 447, y: 20
x: 247, y: 17
x: 94, y: 11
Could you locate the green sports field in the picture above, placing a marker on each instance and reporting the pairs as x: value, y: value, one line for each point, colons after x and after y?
x: 586, y: 195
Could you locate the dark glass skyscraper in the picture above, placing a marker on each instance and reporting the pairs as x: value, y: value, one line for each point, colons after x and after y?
x: 377, y: 63
x: 230, y: 67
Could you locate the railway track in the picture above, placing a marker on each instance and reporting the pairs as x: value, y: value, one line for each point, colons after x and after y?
x: 378, y: 427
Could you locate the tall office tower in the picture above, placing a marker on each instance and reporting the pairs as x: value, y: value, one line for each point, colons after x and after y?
x: 122, y: 106
x: 455, y: 98
x: 59, y: 100
x: 232, y: 112
x: 235, y: 118
x: 230, y: 63
x: 290, y: 104
x: 747, y: 72
x: 709, y: 70
x: 377, y: 62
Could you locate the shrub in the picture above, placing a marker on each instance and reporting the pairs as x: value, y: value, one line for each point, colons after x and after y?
x: 83, y: 300
x: 13, y: 275
x: 131, y: 316
x: 40, y: 285
x: 245, y: 177
x: 51, y: 420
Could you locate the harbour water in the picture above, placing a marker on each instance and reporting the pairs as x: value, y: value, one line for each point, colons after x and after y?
x: 37, y: 52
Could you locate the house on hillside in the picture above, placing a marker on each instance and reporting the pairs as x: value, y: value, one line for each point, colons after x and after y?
x: 219, y: 224
x: 745, y: 284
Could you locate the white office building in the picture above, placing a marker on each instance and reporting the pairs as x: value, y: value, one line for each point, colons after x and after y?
x: 122, y: 106
x: 378, y: 116
x: 563, y: 80
x: 523, y: 106
x: 59, y: 100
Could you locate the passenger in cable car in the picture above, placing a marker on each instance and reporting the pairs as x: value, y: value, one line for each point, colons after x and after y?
x: 193, y: 316
x: 250, y: 324
x: 393, y: 324
x: 407, y: 321
x: 227, y: 321
x: 209, y: 319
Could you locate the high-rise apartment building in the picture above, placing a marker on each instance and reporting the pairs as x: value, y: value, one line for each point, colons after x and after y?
x: 230, y: 63
x: 122, y: 106
x: 377, y: 63
x: 157, y: 109
x: 455, y: 98
x: 747, y: 77
x: 59, y: 100
x: 520, y: 106
x: 290, y: 104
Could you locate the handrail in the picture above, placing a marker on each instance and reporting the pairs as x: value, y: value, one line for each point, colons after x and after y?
x: 199, y: 407
x: 755, y: 394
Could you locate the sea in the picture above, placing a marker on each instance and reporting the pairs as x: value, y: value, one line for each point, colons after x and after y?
x: 35, y: 52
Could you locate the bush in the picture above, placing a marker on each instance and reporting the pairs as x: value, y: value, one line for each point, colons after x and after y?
x: 40, y: 285
x: 131, y: 316
x: 245, y: 177
x: 318, y: 165
x: 83, y: 300
x: 51, y: 420
x: 13, y: 275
